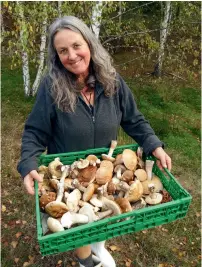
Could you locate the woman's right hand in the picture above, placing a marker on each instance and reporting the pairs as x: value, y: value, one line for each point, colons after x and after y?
x: 29, y: 181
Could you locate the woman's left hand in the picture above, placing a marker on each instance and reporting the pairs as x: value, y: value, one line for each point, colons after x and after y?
x: 163, y: 160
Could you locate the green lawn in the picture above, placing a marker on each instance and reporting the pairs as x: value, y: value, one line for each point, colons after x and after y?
x: 173, y: 110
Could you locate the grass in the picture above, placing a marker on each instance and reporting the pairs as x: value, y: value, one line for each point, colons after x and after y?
x: 173, y: 110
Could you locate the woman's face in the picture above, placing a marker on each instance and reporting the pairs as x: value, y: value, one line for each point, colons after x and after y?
x: 73, y: 52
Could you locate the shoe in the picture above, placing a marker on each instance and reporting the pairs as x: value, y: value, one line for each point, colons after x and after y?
x: 103, y: 254
x: 96, y: 261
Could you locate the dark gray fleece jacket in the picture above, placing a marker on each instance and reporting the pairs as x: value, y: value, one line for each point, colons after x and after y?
x: 60, y: 132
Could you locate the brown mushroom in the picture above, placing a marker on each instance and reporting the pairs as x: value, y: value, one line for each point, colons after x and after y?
x: 93, y: 160
x: 104, y: 172
x: 134, y: 191
x: 124, y: 204
x: 54, y: 168
x: 127, y: 176
x: 46, y: 198
x: 87, y: 174
x: 129, y: 159
x: 111, y: 151
x: 87, y: 192
x: 141, y: 175
x: 119, y: 170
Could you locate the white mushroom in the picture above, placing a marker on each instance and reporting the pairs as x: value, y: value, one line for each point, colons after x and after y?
x: 153, y: 198
x: 111, y: 151
x: 54, y: 225
x: 70, y: 218
x: 72, y: 200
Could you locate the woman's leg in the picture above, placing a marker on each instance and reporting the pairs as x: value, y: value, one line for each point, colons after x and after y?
x: 84, y: 256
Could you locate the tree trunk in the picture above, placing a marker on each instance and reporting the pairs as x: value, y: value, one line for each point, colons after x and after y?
x: 96, y: 18
x: 59, y: 9
x: 25, y: 58
x: 163, y: 37
x: 42, y: 53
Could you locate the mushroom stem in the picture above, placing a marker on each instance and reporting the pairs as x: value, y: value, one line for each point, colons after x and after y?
x: 148, y: 167
x: 70, y: 218
x: 60, y: 185
x: 103, y: 214
x: 112, y: 147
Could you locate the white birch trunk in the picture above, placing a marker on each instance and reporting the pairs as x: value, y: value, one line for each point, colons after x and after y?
x: 163, y: 37
x: 25, y: 58
x: 59, y: 9
x: 96, y: 15
x: 42, y: 57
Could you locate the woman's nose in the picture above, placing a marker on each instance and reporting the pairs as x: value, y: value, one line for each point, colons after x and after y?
x: 72, y: 55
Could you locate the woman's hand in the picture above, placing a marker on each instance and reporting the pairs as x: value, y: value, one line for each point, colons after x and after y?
x: 164, y: 161
x: 29, y: 181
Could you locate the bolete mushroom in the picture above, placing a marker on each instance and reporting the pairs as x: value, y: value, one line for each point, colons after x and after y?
x: 87, y: 192
x: 54, y: 168
x: 93, y: 160
x: 153, y: 198
x: 57, y: 208
x: 134, y: 191
x: 70, y: 218
x: 119, y: 170
x: 141, y: 175
x: 124, y: 204
x: 87, y: 174
x: 111, y: 151
x: 54, y: 225
x: 129, y: 159
x: 72, y: 200
x: 127, y: 176
x: 104, y: 172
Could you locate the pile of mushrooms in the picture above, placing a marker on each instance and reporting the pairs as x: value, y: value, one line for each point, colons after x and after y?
x: 91, y: 189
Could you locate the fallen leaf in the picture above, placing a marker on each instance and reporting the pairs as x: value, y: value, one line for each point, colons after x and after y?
x: 14, y: 244
x: 73, y: 263
x: 16, y: 260
x: 24, y: 222
x: 10, y: 201
x: 3, y: 208
x: 198, y: 214
x: 128, y: 262
x: 31, y: 259
x: 59, y: 262
x: 18, y: 222
x: 5, y: 225
x: 18, y: 234
x: 25, y: 264
x: 113, y: 248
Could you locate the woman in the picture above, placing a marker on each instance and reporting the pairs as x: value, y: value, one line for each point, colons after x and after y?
x: 80, y: 105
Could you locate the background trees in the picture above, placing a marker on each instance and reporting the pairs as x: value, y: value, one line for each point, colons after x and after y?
x: 163, y: 35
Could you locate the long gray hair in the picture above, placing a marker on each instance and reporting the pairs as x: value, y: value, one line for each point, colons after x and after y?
x: 65, y: 88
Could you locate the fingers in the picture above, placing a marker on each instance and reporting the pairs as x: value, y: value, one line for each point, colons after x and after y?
x: 168, y: 162
x: 29, y: 181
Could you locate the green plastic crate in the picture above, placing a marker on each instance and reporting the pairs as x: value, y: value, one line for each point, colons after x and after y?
x: 137, y: 220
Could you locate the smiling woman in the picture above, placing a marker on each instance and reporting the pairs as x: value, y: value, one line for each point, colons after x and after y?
x: 73, y: 52
x: 81, y: 104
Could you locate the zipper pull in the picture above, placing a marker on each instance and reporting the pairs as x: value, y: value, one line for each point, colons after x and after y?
x: 93, y: 118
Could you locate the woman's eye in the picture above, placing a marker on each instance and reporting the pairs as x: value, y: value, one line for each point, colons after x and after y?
x: 76, y: 45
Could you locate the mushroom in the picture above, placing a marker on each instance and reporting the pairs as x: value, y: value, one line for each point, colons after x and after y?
x: 82, y: 203
x: 57, y: 208
x: 134, y: 191
x: 124, y: 204
x: 148, y: 167
x: 87, y: 192
x: 87, y: 174
x: 157, y: 183
x: 70, y: 218
x: 72, y: 200
x: 82, y: 163
x: 119, y: 170
x: 127, y: 176
x: 46, y: 198
x: 104, y: 172
x: 54, y: 225
x: 111, y: 150
x: 153, y: 198
x: 108, y: 204
x: 95, y: 201
x: 54, y: 167
x: 129, y: 159
x: 141, y: 175
x: 118, y: 160
x: 88, y: 211
x: 140, y: 204
x: 93, y: 160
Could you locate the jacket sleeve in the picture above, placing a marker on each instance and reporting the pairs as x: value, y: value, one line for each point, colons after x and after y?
x: 133, y: 122
x: 37, y: 130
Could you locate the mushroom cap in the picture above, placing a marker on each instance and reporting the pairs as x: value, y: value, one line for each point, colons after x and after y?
x: 104, y: 173
x: 111, y: 205
x: 87, y: 174
x: 54, y: 167
x: 92, y: 159
x: 124, y: 204
x: 47, y: 198
x: 54, y: 225
x: 129, y: 159
x: 119, y: 167
x: 127, y: 176
x: 154, y: 198
x: 111, y: 188
x: 72, y: 199
x: 106, y: 157
x: 95, y: 201
x: 68, y: 184
x: 54, y: 183
x: 157, y: 184
x: 88, y: 192
x: 141, y: 175
x: 135, y: 191
x: 82, y: 163
x: 56, y: 209
x: 118, y: 160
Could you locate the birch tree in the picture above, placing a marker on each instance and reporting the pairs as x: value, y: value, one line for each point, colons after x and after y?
x: 23, y: 40
x: 163, y: 36
x: 96, y: 18
x: 42, y: 52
